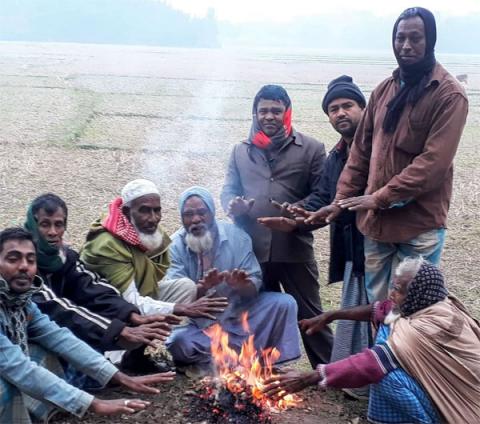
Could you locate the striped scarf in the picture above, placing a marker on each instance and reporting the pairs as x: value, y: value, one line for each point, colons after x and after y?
x: 117, y: 224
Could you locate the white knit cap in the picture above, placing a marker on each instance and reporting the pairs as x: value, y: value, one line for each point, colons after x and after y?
x: 138, y: 188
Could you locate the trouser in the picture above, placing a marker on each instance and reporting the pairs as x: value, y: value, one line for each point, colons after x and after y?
x: 179, y: 290
x: 301, y: 281
x: 381, y: 259
x: 16, y: 406
x: 271, y: 318
x: 398, y: 397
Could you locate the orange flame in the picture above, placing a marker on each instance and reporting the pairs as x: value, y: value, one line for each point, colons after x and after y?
x: 247, y: 371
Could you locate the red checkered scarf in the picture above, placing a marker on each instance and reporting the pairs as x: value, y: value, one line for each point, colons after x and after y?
x: 262, y: 140
x: 117, y: 224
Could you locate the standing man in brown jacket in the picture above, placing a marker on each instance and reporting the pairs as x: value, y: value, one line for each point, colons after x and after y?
x: 277, y: 165
x: 399, y: 174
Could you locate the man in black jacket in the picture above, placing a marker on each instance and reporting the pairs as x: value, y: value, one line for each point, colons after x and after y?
x: 80, y: 299
x: 344, y: 104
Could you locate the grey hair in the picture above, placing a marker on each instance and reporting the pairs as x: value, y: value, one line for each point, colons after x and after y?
x: 409, y: 266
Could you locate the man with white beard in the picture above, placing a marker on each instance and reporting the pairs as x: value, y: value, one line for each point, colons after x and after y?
x: 219, y: 258
x: 129, y: 248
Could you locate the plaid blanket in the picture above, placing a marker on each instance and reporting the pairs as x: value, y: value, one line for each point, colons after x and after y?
x: 398, y: 398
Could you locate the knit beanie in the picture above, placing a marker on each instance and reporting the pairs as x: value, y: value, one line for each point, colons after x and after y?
x: 343, y: 87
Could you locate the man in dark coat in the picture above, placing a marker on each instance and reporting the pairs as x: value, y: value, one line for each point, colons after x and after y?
x: 277, y: 164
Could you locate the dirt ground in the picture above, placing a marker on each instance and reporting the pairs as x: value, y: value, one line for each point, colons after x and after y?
x: 171, y: 405
x: 82, y: 120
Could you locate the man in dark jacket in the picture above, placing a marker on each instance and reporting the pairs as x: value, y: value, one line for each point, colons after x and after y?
x: 344, y: 104
x: 80, y: 299
x: 278, y: 164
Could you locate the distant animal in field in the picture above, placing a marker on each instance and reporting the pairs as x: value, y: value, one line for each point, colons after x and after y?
x: 463, y: 79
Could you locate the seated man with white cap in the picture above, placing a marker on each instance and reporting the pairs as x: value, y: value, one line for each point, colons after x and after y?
x: 129, y: 248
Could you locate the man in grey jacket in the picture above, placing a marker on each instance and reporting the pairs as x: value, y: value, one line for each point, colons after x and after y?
x: 278, y: 165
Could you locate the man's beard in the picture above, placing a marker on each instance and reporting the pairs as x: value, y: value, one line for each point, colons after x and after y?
x: 149, y: 241
x: 199, y: 244
x: 346, y: 132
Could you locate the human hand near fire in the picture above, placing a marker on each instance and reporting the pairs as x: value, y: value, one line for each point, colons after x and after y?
x: 204, y: 307
x: 137, y: 319
x: 238, y: 279
x: 143, y: 383
x: 323, y: 216
x: 117, y: 406
x: 279, y: 223
x: 287, y: 222
x: 291, y: 382
x: 145, y: 334
x: 140, y: 384
x: 211, y: 279
x: 239, y: 206
x: 360, y: 203
x: 314, y: 325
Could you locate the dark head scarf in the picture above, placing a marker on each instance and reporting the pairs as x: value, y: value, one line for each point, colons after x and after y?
x: 343, y: 87
x: 427, y: 288
x: 48, y: 256
x: 257, y: 136
x: 415, y: 76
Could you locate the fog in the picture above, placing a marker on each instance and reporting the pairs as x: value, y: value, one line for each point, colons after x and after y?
x: 151, y: 22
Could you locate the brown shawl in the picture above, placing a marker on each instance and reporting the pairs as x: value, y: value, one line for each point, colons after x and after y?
x: 440, y: 347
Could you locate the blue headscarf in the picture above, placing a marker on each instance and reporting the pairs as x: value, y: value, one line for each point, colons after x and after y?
x: 198, y: 191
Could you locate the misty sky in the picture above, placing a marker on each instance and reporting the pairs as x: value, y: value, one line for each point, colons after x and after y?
x: 283, y: 10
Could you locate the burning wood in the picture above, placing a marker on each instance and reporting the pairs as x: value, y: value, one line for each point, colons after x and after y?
x: 234, y: 394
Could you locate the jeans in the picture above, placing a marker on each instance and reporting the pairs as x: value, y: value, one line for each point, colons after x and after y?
x: 381, y: 259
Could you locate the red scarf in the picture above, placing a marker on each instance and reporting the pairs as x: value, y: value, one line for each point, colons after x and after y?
x: 117, y: 224
x: 262, y: 140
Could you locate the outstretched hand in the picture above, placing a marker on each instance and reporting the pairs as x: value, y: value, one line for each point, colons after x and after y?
x: 211, y: 279
x: 279, y: 223
x: 285, y: 208
x: 205, y: 307
x: 143, y: 383
x: 325, y: 215
x: 314, y: 325
x: 239, y: 206
x: 117, y: 406
x: 133, y: 337
x: 137, y: 319
x: 360, y: 203
x: 293, y: 381
x: 238, y: 279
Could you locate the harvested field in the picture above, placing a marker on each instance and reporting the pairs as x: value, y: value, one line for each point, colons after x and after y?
x: 82, y: 120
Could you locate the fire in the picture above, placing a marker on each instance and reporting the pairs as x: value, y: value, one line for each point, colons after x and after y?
x: 245, y: 372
